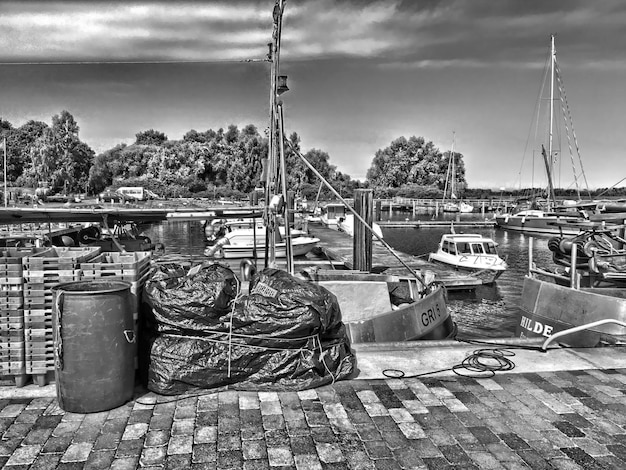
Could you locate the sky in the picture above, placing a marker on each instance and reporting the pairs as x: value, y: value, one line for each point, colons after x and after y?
x: 362, y: 73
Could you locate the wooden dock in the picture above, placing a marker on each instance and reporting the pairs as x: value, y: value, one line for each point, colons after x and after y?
x: 337, y: 246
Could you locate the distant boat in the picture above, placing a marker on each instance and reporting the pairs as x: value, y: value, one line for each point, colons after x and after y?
x: 470, y: 252
x: 449, y: 202
x: 346, y: 224
x: 331, y: 213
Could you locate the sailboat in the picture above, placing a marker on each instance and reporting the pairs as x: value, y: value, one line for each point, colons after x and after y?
x: 548, y: 219
x: 554, y: 305
x: 451, y: 205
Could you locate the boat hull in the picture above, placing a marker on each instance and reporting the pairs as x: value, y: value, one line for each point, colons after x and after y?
x: 545, y: 225
x: 300, y: 247
x: 486, y: 274
x: 549, y: 308
x: 425, y: 319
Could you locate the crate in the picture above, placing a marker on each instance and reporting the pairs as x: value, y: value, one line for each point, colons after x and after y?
x: 59, y: 258
x: 129, y: 267
x: 12, y: 341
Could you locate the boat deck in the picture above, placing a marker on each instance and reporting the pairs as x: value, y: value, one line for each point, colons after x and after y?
x: 337, y: 246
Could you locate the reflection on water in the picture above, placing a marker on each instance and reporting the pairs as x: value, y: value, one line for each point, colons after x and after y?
x: 489, y: 311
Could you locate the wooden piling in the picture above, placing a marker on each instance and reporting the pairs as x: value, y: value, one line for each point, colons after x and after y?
x: 362, y: 244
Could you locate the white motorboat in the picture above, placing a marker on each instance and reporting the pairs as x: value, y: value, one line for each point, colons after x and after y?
x: 470, y: 252
x: 250, y: 243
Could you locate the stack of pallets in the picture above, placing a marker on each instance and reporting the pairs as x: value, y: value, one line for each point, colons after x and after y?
x: 42, y: 272
x: 12, y: 359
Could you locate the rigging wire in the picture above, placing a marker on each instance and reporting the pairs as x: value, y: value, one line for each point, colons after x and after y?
x: 536, y: 112
x: 568, y: 118
x: 131, y: 62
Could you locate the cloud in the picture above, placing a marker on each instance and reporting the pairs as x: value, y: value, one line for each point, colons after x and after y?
x: 392, y: 33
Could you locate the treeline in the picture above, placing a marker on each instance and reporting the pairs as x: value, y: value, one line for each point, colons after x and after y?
x: 211, y: 163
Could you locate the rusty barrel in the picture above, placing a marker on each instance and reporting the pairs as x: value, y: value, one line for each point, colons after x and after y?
x: 94, y: 343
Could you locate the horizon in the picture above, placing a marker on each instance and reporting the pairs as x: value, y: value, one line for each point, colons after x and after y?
x: 361, y: 74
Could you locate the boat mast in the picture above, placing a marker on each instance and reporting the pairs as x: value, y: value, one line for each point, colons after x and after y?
x: 276, y: 177
x: 551, y: 198
x: 449, y: 172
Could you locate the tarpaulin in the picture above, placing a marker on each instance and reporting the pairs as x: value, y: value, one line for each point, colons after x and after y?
x: 286, y: 334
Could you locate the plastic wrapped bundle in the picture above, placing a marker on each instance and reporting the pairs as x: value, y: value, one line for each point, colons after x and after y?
x: 287, y: 334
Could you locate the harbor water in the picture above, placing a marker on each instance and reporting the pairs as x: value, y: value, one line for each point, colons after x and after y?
x: 489, y: 311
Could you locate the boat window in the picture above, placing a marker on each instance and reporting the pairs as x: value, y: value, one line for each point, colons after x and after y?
x: 490, y: 248
x: 477, y: 248
x: 464, y: 248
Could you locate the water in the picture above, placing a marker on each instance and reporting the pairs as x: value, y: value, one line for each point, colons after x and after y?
x: 489, y: 311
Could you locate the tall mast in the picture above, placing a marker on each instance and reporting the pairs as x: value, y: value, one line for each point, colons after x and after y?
x: 551, y: 200
x: 275, y: 166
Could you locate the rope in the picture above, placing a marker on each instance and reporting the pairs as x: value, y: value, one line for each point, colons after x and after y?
x: 480, y: 364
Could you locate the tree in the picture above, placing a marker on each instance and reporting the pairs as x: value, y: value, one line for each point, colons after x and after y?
x: 150, y: 137
x: 412, y: 162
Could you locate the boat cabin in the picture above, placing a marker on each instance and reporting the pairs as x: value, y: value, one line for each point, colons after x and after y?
x: 459, y: 244
x: 331, y: 213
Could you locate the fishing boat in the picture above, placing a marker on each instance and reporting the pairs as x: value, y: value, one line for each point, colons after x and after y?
x: 553, y: 304
x: 470, y: 252
x: 387, y: 308
x: 551, y: 218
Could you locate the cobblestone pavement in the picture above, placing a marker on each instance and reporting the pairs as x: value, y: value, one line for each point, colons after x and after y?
x: 563, y: 420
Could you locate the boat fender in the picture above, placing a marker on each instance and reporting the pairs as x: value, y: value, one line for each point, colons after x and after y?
x: 248, y: 269
x: 565, y: 246
x: 553, y: 244
x: 593, y: 265
x: 506, y: 219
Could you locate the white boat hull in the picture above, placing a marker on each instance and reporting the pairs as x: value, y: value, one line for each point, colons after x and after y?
x: 300, y: 247
x: 543, y: 225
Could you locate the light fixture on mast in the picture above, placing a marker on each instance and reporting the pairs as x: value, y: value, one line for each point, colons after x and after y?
x: 282, y: 85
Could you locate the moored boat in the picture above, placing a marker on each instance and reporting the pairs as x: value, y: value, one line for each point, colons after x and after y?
x: 346, y: 224
x: 470, y: 252
x: 331, y: 214
x: 386, y: 308
x: 542, y: 222
x: 551, y: 306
